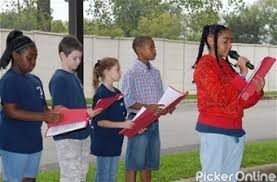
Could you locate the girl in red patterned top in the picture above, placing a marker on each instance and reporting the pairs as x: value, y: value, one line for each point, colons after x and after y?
x: 219, y: 105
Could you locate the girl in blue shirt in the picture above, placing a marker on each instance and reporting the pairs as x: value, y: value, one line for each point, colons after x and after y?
x: 106, y: 142
x: 23, y: 110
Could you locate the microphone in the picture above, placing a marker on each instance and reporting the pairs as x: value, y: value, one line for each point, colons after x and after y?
x: 235, y: 55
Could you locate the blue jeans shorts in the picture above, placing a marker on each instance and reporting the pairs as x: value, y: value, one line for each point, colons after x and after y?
x: 143, y: 151
x: 16, y: 166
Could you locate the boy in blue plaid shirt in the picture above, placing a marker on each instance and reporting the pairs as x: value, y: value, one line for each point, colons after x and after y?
x: 142, y: 87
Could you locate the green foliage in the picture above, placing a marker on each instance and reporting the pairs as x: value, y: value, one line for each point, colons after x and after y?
x: 246, y: 26
x: 268, y: 10
x: 171, y: 19
x: 59, y: 26
x: 201, y: 13
x: 23, y: 15
x: 197, y: 22
x: 125, y: 14
x: 164, y: 26
x: 102, y: 29
x: 255, y: 24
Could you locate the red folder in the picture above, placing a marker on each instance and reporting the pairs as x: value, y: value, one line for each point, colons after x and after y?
x: 73, y: 119
x: 142, y: 121
x: 261, y: 71
x: 107, y: 102
x: 147, y: 117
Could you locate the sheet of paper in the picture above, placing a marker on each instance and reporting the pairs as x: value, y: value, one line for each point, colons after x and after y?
x: 145, y: 117
x: 139, y: 113
x: 169, y: 96
x: 66, y: 128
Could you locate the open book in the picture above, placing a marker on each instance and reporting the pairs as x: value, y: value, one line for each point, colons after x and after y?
x: 73, y: 119
x: 145, y: 117
x: 107, y: 102
x: 260, y: 71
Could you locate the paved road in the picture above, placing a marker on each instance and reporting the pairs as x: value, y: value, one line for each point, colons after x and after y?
x: 178, y: 134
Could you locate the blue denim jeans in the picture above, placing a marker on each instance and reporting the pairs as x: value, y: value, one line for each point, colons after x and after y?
x: 16, y: 166
x: 106, y: 168
x: 221, y: 154
x: 143, y: 151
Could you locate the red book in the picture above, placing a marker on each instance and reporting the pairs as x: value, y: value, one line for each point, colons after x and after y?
x: 260, y: 71
x: 73, y: 119
x: 145, y: 117
x: 107, y: 102
x: 141, y: 121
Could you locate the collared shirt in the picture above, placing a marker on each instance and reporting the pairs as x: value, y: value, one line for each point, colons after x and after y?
x: 141, y: 84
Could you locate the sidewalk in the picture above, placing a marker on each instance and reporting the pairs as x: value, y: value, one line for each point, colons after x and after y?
x: 267, y: 169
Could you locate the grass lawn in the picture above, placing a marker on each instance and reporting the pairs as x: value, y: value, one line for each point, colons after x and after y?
x: 184, y: 165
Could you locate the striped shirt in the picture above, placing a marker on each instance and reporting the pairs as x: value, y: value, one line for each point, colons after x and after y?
x: 141, y: 85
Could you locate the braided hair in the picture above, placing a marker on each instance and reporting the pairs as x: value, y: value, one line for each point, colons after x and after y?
x: 214, y: 30
x: 16, y: 42
x: 98, y: 71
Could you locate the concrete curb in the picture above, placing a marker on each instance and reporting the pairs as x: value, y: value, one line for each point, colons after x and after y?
x: 268, y: 168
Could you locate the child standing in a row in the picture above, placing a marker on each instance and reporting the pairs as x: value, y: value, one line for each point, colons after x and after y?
x: 67, y: 91
x: 24, y: 109
x: 142, y: 87
x: 106, y: 142
x: 219, y: 103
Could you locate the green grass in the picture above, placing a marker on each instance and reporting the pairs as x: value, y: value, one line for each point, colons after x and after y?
x: 271, y: 94
x: 185, y: 165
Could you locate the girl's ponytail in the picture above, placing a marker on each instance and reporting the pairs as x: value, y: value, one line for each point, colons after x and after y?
x: 96, y: 75
x: 7, y: 55
x: 98, y: 71
x: 16, y: 41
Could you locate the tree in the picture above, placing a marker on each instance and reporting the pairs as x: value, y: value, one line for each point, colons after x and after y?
x: 197, y: 21
x: 201, y: 13
x: 59, y: 26
x: 125, y: 13
x: 19, y: 15
x: 24, y: 15
x: 268, y: 11
x: 44, y: 15
x: 246, y: 26
x: 129, y: 15
x: 102, y: 29
x: 162, y: 26
x: 255, y: 24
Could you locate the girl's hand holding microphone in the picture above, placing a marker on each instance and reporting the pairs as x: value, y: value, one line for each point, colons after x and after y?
x: 241, y: 63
